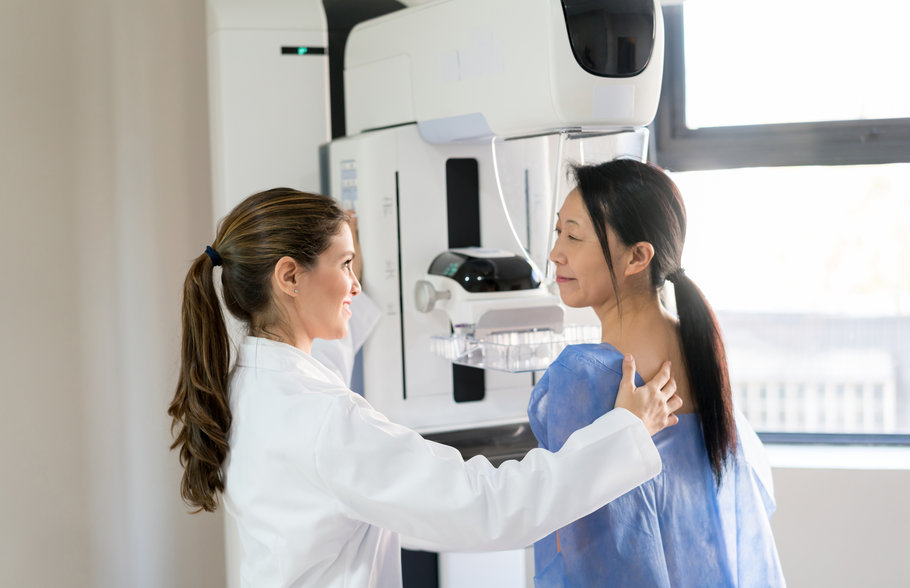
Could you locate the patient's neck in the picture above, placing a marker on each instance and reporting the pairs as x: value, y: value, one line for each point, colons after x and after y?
x: 640, y: 326
x: 636, y: 316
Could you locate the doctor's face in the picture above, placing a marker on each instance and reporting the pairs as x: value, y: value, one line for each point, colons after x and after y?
x: 327, y: 289
x: 582, y: 273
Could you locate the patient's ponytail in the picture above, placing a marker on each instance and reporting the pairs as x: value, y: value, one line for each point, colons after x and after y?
x: 639, y: 202
x: 706, y: 365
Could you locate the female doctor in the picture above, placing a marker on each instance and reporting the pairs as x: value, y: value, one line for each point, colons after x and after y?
x: 322, y: 486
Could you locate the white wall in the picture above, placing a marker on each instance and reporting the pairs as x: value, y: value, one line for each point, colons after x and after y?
x: 843, y: 527
x: 104, y: 199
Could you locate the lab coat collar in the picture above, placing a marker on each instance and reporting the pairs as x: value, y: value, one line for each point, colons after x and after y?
x: 258, y: 352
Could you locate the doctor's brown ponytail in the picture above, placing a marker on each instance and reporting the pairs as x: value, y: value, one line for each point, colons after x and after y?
x: 200, y: 404
x: 251, y: 239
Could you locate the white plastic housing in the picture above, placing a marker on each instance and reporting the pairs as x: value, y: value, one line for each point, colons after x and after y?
x: 472, y: 68
x: 487, y: 312
x: 269, y: 112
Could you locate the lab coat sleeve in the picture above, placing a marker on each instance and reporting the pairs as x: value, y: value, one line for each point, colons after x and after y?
x: 338, y: 354
x: 389, y: 476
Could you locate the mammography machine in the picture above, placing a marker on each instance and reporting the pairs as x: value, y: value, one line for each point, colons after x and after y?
x: 461, y: 118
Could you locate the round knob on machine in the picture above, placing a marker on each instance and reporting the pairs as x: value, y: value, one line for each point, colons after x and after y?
x: 425, y: 295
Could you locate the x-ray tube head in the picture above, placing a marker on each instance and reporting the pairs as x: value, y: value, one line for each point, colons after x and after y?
x: 471, y: 69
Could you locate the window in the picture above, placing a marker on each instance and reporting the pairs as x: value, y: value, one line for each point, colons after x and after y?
x: 794, y: 61
x: 757, y: 97
x: 790, y: 140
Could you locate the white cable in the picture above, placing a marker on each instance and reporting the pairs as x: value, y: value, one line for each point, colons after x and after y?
x: 505, y: 209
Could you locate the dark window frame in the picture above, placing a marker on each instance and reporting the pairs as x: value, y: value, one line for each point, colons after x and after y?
x: 854, y: 142
x: 679, y: 148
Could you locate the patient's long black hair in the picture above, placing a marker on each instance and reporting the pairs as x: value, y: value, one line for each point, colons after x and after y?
x: 640, y: 202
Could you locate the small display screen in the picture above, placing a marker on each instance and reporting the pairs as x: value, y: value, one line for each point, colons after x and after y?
x: 303, y: 50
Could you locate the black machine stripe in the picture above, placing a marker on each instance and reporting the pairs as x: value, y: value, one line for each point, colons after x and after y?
x: 404, y: 371
x: 463, y: 220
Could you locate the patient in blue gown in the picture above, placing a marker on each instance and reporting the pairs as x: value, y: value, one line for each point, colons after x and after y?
x: 704, y: 520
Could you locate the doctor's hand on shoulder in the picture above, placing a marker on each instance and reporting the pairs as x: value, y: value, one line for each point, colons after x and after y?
x: 655, y: 402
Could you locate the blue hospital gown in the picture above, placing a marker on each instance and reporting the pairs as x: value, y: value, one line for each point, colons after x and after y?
x: 677, y: 529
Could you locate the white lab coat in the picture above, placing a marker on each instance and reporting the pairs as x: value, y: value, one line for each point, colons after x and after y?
x: 321, y: 485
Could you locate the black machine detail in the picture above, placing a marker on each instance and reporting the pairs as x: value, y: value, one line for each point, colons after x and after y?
x: 611, y: 38
x: 482, y: 273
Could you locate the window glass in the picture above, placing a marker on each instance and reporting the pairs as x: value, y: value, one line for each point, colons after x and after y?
x: 808, y: 270
x: 786, y: 61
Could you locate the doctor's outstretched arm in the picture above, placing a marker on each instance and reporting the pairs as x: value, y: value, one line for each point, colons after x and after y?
x: 389, y: 476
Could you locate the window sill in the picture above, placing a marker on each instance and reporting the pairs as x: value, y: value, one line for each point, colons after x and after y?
x: 838, y: 457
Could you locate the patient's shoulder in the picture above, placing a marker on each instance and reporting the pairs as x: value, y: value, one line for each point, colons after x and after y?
x: 590, y: 357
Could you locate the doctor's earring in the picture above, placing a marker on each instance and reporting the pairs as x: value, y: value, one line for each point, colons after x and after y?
x: 296, y: 291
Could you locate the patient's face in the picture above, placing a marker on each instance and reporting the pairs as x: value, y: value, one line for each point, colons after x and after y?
x: 581, y: 269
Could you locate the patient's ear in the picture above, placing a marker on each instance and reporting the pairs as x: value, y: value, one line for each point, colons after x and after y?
x: 639, y: 257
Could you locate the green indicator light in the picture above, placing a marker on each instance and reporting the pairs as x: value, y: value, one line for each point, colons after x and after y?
x: 297, y: 50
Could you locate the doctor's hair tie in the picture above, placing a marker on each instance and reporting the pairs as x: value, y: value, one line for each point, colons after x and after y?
x: 213, y: 255
x: 674, y: 277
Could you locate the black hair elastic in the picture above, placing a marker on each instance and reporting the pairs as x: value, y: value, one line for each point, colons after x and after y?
x: 674, y: 277
x: 213, y: 255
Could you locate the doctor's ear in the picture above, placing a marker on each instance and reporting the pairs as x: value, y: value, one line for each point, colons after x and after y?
x: 640, y: 256
x: 285, y: 274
